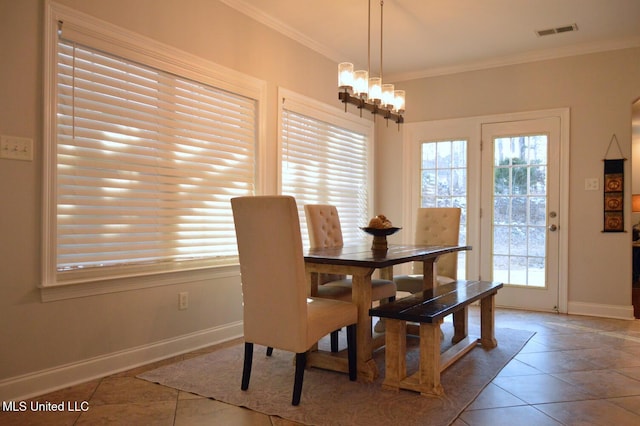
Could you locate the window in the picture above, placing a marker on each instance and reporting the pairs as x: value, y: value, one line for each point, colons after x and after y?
x: 144, y: 149
x: 325, y: 159
x: 520, y: 209
x: 444, y: 174
x: 443, y: 182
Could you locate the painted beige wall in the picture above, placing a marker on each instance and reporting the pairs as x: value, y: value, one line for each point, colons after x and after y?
x: 37, y: 336
x: 599, y: 89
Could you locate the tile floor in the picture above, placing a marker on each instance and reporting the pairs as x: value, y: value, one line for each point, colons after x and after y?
x: 575, y: 370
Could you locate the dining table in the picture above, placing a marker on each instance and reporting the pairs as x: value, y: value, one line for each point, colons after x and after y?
x: 360, y: 262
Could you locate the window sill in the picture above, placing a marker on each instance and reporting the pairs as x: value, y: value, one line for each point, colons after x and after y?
x: 71, y: 291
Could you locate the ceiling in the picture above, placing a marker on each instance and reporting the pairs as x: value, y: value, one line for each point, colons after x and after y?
x: 434, y: 37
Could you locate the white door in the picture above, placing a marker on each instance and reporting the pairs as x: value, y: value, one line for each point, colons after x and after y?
x: 520, y: 211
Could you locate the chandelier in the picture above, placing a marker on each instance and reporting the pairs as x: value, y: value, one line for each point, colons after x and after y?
x: 368, y: 92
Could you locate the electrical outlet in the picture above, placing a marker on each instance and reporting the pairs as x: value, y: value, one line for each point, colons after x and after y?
x: 16, y: 148
x: 183, y: 300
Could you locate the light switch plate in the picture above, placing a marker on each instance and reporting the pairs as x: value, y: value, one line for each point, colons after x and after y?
x: 16, y: 148
x: 591, y: 184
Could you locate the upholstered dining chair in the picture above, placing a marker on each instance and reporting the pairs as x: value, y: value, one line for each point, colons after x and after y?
x: 276, y: 310
x: 325, y: 231
x: 434, y: 226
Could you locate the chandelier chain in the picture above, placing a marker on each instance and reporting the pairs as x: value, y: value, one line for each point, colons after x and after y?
x: 381, y: 38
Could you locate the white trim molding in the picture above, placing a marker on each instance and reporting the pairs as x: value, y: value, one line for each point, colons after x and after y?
x: 52, y: 379
x: 600, y: 310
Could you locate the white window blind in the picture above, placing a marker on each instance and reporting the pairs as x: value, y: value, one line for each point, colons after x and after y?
x: 146, y: 162
x: 325, y: 163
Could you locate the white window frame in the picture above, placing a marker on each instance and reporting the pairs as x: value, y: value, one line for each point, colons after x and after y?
x: 120, y: 42
x: 301, y: 104
x: 448, y: 200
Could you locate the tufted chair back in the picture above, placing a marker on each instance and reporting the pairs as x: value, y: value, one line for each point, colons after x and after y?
x: 324, y: 225
x: 439, y: 226
x: 324, y: 229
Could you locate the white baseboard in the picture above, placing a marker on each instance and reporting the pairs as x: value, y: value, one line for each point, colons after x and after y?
x: 52, y: 379
x: 598, y: 310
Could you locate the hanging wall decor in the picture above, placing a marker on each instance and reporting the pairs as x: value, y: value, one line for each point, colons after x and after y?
x: 614, y: 191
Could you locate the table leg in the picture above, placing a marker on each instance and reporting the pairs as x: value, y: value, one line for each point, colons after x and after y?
x: 361, y: 296
x: 313, y: 278
x: 430, y: 277
x: 430, y: 273
x: 386, y: 273
x: 460, y: 325
x: 487, y: 321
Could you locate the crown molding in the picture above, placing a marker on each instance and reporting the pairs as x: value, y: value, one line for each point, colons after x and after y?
x: 269, y: 21
x: 541, y: 55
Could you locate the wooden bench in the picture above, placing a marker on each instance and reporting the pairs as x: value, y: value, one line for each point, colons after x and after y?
x: 428, y: 308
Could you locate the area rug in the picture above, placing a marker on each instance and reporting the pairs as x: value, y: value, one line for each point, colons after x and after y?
x: 329, y: 398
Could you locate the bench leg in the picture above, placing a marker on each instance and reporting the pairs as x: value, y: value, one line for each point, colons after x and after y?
x: 395, y: 353
x: 487, y: 321
x: 429, y: 374
x: 460, y: 325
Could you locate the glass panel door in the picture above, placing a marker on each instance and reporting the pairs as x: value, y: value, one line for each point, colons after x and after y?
x: 520, y: 204
x: 520, y: 201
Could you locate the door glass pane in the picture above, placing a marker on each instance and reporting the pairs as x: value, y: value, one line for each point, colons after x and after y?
x: 444, y: 183
x: 520, y: 210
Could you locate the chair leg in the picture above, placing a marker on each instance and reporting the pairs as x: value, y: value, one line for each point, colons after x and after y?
x: 334, y: 341
x: 269, y: 351
x: 246, y: 369
x: 301, y: 361
x: 351, y: 349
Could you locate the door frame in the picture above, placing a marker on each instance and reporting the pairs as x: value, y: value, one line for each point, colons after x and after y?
x: 470, y: 128
x: 516, y: 294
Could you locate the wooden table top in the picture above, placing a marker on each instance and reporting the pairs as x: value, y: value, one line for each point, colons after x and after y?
x: 362, y: 255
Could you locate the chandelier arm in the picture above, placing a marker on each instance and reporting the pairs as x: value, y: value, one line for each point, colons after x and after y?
x: 346, y: 98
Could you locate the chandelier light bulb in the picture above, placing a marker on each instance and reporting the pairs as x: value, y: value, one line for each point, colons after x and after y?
x: 398, y: 101
x: 387, y: 95
x: 361, y: 83
x: 375, y: 90
x: 345, y: 75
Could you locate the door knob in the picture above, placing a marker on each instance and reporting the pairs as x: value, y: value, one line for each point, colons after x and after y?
x: 553, y: 228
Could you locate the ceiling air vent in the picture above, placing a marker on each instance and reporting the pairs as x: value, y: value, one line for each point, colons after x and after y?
x: 557, y: 30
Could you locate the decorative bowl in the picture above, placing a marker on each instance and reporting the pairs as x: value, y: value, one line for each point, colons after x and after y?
x: 380, y: 232
x: 380, y: 236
